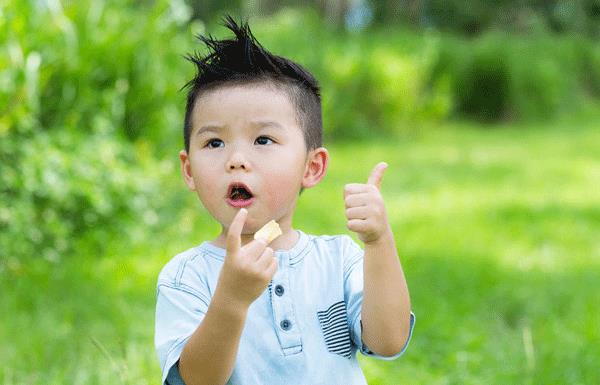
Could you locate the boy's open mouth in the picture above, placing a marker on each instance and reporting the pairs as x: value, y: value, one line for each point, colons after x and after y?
x: 239, y: 192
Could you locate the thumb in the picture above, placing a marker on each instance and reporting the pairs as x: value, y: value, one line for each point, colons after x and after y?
x: 234, y: 241
x: 377, y: 174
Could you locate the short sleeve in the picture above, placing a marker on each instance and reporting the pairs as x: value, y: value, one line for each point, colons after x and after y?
x: 353, y: 295
x: 179, y: 311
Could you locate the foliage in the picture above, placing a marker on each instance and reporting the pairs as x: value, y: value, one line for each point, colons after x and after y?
x: 480, y: 16
x: 499, y: 77
x: 81, y: 99
x: 467, y: 18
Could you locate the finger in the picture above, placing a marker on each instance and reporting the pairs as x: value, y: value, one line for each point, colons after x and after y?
x: 358, y: 225
x: 234, y: 233
x: 255, y: 248
x: 377, y: 174
x: 272, y: 268
x: 265, y: 259
x: 361, y: 212
x: 356, y: 188
x: 357, y: 200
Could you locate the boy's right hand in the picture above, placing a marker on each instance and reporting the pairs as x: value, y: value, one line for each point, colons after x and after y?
x: 247, y: 270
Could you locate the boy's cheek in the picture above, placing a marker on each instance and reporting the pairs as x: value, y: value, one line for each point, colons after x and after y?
x: 274, y: 199
x: 212, y: 199
x: 207, y: 194
x: 280, y: 189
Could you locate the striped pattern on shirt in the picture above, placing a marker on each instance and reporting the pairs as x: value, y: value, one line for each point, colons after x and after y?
x: 334, y: 323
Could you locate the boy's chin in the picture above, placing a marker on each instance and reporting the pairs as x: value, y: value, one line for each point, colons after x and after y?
x: 248, y: 230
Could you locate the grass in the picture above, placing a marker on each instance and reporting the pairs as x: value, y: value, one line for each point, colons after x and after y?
x: 498, y: 235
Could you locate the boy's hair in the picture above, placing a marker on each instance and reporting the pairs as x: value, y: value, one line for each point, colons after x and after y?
x: 243, y: 61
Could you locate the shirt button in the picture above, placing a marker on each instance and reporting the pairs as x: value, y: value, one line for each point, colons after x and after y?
x: 279, y: 290
x: 285, y: 324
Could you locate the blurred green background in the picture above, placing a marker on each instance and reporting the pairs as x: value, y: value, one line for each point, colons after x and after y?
x: 487, y: 112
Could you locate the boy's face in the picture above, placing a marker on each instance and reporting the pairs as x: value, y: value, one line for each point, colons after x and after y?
x: 247, y: 150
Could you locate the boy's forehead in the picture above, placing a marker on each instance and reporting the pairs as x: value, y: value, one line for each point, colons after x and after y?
x: 255, y: 106
x: 232, y: 93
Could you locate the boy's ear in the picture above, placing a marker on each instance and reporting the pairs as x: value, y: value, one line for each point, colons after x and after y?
x: 186, y: 170
x: 316, y: 166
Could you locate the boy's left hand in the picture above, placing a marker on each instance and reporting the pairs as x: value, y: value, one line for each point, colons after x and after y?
x: 365, y: 209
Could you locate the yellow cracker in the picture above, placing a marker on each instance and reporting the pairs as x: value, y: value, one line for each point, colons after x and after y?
x: 269, y: 231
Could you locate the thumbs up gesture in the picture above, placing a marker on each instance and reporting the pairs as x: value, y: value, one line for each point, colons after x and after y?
x: 365, y: 210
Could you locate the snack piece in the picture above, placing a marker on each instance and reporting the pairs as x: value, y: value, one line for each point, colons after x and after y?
x: 269, y: 231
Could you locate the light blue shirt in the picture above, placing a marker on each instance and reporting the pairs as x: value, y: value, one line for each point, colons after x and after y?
x: 305, y: 328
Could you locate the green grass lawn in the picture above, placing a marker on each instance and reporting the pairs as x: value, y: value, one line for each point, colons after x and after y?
x: 498, y: 232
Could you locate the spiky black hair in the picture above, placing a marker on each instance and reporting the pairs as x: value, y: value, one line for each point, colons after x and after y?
x: 242, y: 60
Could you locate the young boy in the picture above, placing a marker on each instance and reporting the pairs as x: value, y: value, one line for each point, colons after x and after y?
x: 238, y: 310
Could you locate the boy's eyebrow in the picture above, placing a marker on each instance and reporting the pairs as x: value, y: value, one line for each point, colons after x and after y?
x: 209, y: 127
x: 265, y: 123
x: 258, y: 123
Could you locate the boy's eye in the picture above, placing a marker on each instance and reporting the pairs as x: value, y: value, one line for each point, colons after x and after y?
x: 263, y: 140
x: 214, y: 143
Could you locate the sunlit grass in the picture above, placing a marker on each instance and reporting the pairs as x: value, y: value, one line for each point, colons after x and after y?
x: 498, y: 235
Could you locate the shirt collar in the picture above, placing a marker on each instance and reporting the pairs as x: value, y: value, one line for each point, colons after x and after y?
x: 293, y: 255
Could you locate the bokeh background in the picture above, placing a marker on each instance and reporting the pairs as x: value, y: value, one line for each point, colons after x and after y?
x: 487, y: 112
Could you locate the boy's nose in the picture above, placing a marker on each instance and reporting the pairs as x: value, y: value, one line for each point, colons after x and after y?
x: 237, y: 161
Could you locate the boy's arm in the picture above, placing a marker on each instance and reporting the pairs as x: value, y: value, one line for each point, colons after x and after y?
x: 209, y: 355
x: 386, y: 302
